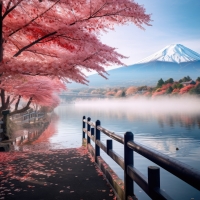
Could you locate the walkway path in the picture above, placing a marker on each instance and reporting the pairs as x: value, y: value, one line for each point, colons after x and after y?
x: 43, y: 174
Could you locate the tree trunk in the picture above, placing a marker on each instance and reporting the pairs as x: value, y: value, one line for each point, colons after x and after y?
x: 1, y: 32
x: 2, y: 100
x: 7, y: 102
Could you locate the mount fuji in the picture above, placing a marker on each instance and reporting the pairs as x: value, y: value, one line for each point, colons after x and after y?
x: 174, y: 61
x: 176, y: 53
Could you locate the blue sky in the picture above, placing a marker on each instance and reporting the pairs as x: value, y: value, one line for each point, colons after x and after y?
x: 175, y: 21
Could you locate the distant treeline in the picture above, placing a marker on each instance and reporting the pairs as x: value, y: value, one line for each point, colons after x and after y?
x: 168, y: 87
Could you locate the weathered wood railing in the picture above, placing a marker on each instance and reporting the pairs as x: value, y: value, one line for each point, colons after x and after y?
x: 28, y: 116
x: 18, y: 118
x: 150, y: 185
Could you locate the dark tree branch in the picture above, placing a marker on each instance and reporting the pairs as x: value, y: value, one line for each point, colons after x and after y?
x: 23, y: 109
x: 94, y: 15
x: 17, y: 103
x: 89, y: 57
x: 7, y: 101
x: 37, y: 74
x: 34, y: 19
x: 67, y: 37
x: 8, y: 5
x: 35, y: 42
x: 49, y: 40
x: 9, y: 10
x: 101, y: 8
x: 91, y: 15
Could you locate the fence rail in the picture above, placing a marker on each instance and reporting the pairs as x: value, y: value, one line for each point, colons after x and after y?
x: 150, y: 184
x: 27, y: 116
x: 18, y: 119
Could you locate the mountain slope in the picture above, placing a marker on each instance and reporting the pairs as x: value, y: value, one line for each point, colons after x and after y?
x: 173, y: 53
x: 174, y: 61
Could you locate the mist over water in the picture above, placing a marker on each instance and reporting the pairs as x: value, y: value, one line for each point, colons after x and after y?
x: 142, y: 105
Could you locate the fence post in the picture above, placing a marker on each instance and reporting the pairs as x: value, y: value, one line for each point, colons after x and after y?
x: 153, y: 178
x: 88, y: 129
x: 97, y: 137
x: 128, y: 160
x: 108, y: 145
x: 83, y: 127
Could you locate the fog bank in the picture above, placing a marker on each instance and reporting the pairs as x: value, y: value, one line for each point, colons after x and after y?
x: 184, y: 105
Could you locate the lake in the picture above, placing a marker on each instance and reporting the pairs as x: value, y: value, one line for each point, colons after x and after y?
x: 163, y: 125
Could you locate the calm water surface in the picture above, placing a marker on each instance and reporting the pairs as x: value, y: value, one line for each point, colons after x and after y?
x: 161, y: 131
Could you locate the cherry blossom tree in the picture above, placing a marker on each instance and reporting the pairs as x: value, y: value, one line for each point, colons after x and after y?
x: 32, y: 89
x: 186, y: 89
x: 59, y: 38
x: 131, y: 90
x: 159, y: 92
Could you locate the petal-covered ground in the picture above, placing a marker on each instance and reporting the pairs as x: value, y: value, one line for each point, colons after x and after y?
x: 51, y: 174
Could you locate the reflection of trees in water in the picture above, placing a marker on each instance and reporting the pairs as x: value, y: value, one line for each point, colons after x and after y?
x: 40, y: 132
x: 49, y: 131
x: 183, y: 120
x: 171, y: 119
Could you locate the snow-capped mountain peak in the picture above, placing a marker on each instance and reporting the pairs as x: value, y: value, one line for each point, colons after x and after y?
x: 173, y: 53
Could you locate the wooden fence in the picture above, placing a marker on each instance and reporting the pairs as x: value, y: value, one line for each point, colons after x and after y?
x: 151, y: 184
x: 21, y: 118
x: 27, y: 117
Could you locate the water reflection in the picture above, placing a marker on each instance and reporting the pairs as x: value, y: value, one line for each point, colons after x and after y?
x: 158, y: 127
x: 24, y: 136
x: 162, y: 131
